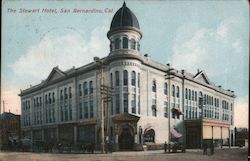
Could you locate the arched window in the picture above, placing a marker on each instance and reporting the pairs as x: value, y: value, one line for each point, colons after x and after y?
x: 91, y: 87
x: 111, y: 79
x: 173, y: 91
x: 133, y: 78
x: 117, y: 80
x: 138, y: 46
x: 166, y: 88
x: 125, y: 77
x: 133, y: 44
x: 85, y: 88
x: 125, y: 43
x: 117, y: 43
x: 189, y: 94
x: 177, y: 92
x: 154, y: 86
x: 70, y: 93
x: 149, y: 135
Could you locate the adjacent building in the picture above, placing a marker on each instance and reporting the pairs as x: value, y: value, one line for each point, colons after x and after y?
x: 65, y: 107
x: 10, y: 130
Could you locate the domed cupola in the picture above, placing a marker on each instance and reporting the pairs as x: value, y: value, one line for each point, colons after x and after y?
x: 124, y: 30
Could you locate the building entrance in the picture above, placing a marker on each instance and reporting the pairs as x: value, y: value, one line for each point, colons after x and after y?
x: 126, y: 139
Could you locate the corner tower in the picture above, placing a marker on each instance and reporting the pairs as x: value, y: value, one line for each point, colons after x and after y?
x: 124, y: 31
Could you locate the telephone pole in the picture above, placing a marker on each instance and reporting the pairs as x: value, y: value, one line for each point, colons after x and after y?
x: 169, y: 75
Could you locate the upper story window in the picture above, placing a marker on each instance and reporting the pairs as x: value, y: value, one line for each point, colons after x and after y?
x: 138, y: 80
x: 173, y: 91
x: 111, y: 79
x: 91, y: 87
x: 85, y: 88
x: 61, y: 94
x: 138, y: 46
x: 53, y: 97
x: 80, y: 89
x: 70, y: 92
x: 133, y: 78
x: 186, y: 93
x: 195, y: 96
x: 125, y: 43
x: 177, y: 92
x: 49, y: 98
x: 117, y: 43
x: 154, y: 86
x: 46, y: 99
x: 192, y: 95
x: 117, y: 80
x: 133, y: 44
x: 125, y: 77
x: 166, y: 88
x: 65, y: 93
x: 189, y: 94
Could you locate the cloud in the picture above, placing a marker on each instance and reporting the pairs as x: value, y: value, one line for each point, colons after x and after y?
x: 62, y: 47
x: 241, y: 111
x: 65, y: 48
x: 196, y: 46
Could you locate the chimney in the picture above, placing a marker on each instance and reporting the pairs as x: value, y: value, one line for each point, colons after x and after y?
x: 146, y: 55
x: 198, y: 70
x: 219, y: 86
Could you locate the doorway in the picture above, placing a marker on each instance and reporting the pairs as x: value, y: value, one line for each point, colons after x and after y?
x: 126, y: 139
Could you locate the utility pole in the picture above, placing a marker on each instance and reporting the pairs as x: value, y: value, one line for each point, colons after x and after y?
x: 106, y: 94
x: 169, y: 75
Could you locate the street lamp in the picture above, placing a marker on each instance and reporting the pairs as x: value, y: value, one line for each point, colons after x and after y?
x: 169, y: 75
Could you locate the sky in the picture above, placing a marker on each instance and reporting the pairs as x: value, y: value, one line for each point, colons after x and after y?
x: 209, y: 35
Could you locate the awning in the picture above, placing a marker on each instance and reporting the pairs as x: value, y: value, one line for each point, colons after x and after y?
x: 175, y: 134
x: 177, y: 111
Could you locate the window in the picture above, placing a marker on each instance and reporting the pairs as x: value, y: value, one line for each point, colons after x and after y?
x: 111, y: 79
x: 53, y: 97
x: 65, y: 93
x: 86, y: 110
x: 166, y: 88
x: 154, y: 113
x: 61, y: 94
x: 133, y: 44
x: 186, y: 93
x: 91, y: 104
x: 154, y: 86
x: 66, y: 113
x: 173, y: 91
x: 165, y: 109
x: 117, y: 78
x: 177, y: 92
x: 85, y: 88
x: 189, y: 94
x: 117, y: 43
x: 125, y: 42
x: 117, y: 103
x: 195, y: 96
x: 49, y: 98
x: 70, y: 112
x: 91, y: 87
x: 133, y: 103
x: 138, y: 80
x: 192, y: 95
x: 70, y: 93
x: 125, y: 77
x: 80, y: 89
x: 125, y: 102
x: 138, y: 46
x: 80, y: 110
x: 133, y: 78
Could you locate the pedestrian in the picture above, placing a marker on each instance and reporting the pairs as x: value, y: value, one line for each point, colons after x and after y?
x: 204, y: 148
x: 165, y: 147
x: 212, y: 148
